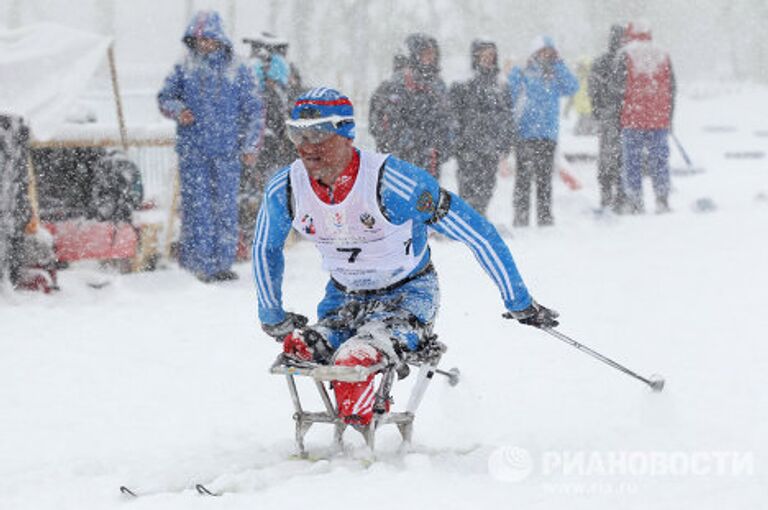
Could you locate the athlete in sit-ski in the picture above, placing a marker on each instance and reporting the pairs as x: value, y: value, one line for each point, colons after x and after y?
x: 368, y: 214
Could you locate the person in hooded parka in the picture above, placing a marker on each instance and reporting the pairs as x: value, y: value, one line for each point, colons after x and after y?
x: 213, y: 98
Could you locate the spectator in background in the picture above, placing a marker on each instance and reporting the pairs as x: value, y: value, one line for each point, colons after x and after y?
x: 213, y: 98
x: 483, y: 126
x: 379, y: 123
x: 606, y: 100
x: 580, y: 102
x: 418, y: 108
x: 272, y: 72
x: 647, y: 85
x: 535, y: 93
x: 264, y: 47
x: 296, y: 85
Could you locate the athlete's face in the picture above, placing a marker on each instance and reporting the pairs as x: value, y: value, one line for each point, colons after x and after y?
x: 326, y: 160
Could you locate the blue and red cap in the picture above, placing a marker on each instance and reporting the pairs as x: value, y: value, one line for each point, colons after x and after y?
x: 323, y: 103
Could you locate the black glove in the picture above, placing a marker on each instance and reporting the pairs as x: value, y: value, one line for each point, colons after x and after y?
x: 279, y: 330
x: 535, y: 315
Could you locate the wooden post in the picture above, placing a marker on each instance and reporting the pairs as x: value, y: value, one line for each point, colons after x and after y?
x: 34, y: 221
x: 118, y: 101
x: 171, y: 224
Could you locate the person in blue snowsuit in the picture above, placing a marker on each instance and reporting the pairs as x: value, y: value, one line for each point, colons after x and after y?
x: 213, y: 98
x: 369, y: 215
x: 535, y: 93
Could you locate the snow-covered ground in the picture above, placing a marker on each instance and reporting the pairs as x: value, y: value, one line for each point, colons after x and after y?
x: 159, y: 382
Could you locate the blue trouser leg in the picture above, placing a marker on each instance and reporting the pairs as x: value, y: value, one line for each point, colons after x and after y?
x: 633, y: 141
x: 226, y: 177
x: 658, y: 161
x: 196, y: 240
x: 418, y: 299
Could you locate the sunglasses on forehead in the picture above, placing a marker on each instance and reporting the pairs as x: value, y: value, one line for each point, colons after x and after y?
x: 314, y: 130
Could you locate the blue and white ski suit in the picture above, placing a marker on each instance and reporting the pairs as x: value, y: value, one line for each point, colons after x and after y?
x: 221, y: 93
x: 405, y: 192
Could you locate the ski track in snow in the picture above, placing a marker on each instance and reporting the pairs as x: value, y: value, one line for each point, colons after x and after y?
x: 159, y: 382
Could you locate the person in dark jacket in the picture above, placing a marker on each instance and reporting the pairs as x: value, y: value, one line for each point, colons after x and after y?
x: 418, y: 108
x: 535, y: 93
x: 647, y: 85
x: 606, y: 107
x: 379, y: 123
x: 213, y: 98
x: 483, y: 126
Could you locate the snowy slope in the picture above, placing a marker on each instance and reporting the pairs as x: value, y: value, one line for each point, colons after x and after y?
x: 160, y: 382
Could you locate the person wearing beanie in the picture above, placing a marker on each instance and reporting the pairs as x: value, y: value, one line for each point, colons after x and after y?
x: 368, y: 214
x: 380, y: 126
x: 483, y: 126
x: 212, y: 97
x: 416, y: 113
x: 606, y: 107
x: 535, y: 93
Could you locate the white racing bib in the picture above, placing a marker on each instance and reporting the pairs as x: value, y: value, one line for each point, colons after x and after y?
x: 360, y: 248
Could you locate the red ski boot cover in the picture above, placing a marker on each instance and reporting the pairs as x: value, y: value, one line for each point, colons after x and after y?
x: 356, y: 399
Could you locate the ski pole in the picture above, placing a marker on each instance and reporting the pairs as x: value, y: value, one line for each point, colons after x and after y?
x: 656, y: 382
x: 682, y: 151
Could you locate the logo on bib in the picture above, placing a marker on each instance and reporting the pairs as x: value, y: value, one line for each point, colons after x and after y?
x: 308, y: 224
x: 367, y: 220
x: 338, y: 220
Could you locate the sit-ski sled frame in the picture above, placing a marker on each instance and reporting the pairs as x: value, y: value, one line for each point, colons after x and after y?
x: 426, y: 359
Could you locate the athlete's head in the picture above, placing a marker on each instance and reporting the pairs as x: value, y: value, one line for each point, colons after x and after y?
x: 321, y: 111
x: 322, y: 127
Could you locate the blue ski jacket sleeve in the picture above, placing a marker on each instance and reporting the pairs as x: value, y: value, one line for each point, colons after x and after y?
x: 407, y: 193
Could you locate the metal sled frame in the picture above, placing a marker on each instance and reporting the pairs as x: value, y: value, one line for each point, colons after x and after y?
x: 426, y: 360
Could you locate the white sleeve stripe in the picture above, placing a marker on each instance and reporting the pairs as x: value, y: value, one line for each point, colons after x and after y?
x: 490, y: 250
x: 258, y: 269
x: 263, y: 254
x: 264, y: 282
x: 480, y: 253
x: 393, y: 187
x: 402, y: 177
x: 388, y: 186
x: 262, y: 269
x: 275, y: 189
x: 400, y: 180
x: 277, y: 180
x: 450, y: 227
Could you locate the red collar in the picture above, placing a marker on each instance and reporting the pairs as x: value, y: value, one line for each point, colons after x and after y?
x: 340, y: 188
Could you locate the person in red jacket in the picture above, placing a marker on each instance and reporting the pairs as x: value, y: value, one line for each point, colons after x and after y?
x: 647, y: 84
